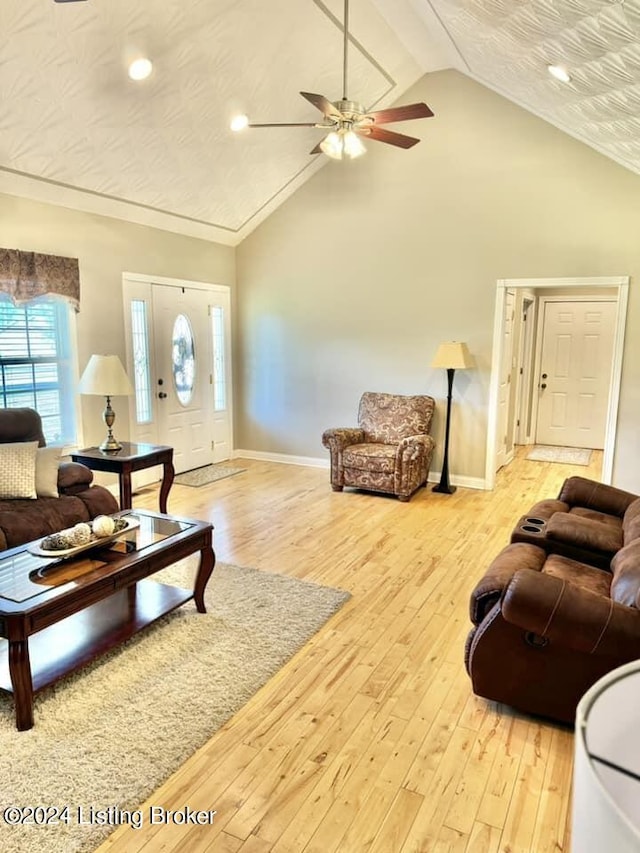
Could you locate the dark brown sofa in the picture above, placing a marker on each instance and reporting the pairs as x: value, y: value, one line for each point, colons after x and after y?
x: 547, y: 627
x: 560, y: 606
x: 588, y: 521
x: 22, y: 520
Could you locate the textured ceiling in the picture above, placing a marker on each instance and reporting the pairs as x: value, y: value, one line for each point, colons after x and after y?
x: 508, y: 44
x: 75, y: 130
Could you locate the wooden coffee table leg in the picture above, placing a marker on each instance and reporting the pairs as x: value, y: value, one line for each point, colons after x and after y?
x: 20, y: 672
x: 207, y: 562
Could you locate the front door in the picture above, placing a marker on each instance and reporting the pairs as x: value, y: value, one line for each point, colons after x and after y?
x: 184, y: 366
x: 575, y: 373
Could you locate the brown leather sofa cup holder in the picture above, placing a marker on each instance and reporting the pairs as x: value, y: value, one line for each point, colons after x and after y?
x: 532, y: 528
x: 538, y: 521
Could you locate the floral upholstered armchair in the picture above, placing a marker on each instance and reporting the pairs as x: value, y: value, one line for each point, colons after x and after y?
x: 391, y: 449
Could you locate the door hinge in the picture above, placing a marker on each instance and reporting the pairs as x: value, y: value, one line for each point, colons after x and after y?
x: 211, y: 379
x: 208, y: 310
x: 212, y: 445
x: 518, y: 422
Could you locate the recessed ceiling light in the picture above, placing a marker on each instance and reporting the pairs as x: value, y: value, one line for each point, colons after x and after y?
x: 559, y: 73
x: 140, y: 69
x: 239, y: 122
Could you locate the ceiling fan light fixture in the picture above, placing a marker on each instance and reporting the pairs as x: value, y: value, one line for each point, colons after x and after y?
x: 352, y: 145
x: 342, y: 143
x: 331, y: 145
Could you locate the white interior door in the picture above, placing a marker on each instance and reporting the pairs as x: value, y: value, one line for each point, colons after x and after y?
x: 504, y: 446
x: 575, y: 373
x: 183, y: 360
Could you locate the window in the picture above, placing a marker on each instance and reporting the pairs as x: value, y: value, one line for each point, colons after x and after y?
x: 141, y: 372
x: 219, y: 369
x: 36, y: 364
x: 183, y: 359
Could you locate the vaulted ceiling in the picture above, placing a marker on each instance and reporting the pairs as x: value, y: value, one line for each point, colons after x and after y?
x: 75, y: 130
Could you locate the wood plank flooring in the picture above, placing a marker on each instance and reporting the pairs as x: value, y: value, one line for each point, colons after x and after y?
x: 370, y: 738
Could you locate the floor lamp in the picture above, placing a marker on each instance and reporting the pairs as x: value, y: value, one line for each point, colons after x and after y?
x: 452, y: 356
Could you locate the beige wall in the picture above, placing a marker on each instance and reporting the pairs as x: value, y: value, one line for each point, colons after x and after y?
x: 354, y: 281
x: 105, y: 249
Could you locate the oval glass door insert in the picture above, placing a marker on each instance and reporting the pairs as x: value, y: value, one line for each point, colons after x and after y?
x: 183, y: 359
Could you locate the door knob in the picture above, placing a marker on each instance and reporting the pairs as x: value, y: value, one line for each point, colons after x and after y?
x: 544, y: 385
x: 544, y: 375
x: 162, y: 395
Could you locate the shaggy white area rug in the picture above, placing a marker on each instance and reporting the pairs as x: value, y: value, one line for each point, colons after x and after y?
x: 110, y: 734
x: 207, y: 474
x: 567, y: 455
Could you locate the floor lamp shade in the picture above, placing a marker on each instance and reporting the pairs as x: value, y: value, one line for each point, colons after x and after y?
x: 105, y: 376
x: 452, y: 356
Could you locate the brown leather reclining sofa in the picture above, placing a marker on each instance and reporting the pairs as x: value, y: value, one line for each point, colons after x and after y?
x: 555, y: 612
x: 22, y: 520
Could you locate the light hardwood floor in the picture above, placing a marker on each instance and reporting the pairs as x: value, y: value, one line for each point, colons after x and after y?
x: 370, y: 737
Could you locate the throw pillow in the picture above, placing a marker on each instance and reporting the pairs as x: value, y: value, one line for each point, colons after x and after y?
x: 18, y: 470
x: 47, y: 461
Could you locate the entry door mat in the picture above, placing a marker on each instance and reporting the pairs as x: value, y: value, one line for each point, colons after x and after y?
x: 208, y: 474
x: 566, y: 455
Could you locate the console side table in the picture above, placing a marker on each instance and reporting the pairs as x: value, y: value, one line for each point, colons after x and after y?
x: 132, y: 457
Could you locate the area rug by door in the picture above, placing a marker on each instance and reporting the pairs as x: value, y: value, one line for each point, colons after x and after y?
x: 207, y: 474
x: 568, y: 455
x: 109, y: 735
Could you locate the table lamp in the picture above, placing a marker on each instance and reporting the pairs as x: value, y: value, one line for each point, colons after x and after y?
x: 453, y: 356
x: 105, y: 375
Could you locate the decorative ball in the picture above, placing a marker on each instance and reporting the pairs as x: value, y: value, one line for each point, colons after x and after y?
x: 103, y: 525
x: 80, y: 534
x: 56, y: 542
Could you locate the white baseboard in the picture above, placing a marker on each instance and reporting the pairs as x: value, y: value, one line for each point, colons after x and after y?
x: 314, y: 462
x: 285, y: 458
x: 462, y: 482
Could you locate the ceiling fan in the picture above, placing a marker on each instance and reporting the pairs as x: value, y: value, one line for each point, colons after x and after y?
x: 347, y: 121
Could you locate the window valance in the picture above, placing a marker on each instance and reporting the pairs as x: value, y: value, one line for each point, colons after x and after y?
x: 26, y: 275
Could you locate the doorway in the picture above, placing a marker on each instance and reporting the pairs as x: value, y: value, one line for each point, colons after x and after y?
x: 178, y: 343
x: 616, y: 288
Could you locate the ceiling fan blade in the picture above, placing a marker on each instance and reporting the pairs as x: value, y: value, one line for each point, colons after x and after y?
x: 317, y: 149
x: 277, y: 124
x: 66, y: 1
x: 382, y: 135
x: 322, y: 104
x: 404, y: 113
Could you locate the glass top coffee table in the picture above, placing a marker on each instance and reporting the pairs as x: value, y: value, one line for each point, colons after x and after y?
x: 56, y: 614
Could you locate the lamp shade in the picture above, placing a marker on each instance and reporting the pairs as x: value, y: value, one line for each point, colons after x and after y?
x: 105, y: 375
x: 452, y: 355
